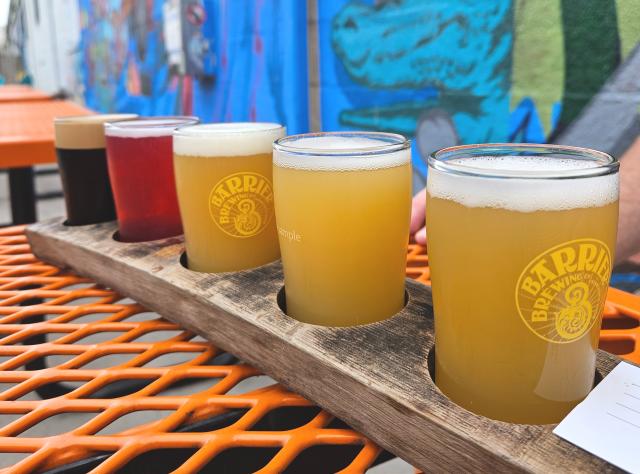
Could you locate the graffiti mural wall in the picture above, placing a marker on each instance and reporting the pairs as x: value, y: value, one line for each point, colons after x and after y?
x: 467, y: 71
x: 222, y: 60
x: 441, y: 71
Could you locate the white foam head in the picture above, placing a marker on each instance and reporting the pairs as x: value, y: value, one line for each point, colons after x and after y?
x: 148, y: 127
x: 523, y: 183
x: 227, y: 139
x: 342, y: 151
x: 84, y: 131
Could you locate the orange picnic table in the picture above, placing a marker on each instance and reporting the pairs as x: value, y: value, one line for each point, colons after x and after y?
x: 21, y: 93
x: 27, y: 139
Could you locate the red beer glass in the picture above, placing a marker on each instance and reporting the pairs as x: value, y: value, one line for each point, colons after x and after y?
x: 140, y: 160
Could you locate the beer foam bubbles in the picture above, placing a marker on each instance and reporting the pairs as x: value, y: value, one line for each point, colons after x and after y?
x: 341, y: 153
x: 84, y: 132
x: 502, y: 182
x: 227, y: 139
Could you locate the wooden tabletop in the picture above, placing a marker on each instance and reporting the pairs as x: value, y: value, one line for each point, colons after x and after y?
x: 26, y: 130
x: 21, y: 93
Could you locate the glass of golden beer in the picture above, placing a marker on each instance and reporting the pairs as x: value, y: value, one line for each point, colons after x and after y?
x: 520, y: 241
x: 343, y: 203
x: 224, y: 182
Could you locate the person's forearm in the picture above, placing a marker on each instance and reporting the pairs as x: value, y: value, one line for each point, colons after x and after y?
x: 629, y: 223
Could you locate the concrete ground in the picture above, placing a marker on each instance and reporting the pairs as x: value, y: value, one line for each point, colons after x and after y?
x: 44, y: 184
x: 68, y: 421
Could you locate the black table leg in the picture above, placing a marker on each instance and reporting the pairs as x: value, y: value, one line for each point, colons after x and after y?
x: 23, y: 195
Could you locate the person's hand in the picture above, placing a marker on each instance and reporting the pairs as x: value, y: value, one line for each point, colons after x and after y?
x: 418, y: 208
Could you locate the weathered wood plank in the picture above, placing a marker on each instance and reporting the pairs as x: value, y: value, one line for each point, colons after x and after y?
x: 374, y: 377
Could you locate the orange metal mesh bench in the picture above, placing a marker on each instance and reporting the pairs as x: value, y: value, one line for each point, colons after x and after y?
x: 21, y: 93
x: 50, y: 293
x: 27, y: 139
x: 72, y: 312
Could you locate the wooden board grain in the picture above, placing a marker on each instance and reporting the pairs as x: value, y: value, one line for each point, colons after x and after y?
x: 373, y: 377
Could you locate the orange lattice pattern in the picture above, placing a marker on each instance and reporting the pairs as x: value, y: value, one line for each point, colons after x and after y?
x: 43, y: 313
x: 59, y: 301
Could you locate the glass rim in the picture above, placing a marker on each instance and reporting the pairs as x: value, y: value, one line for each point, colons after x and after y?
x: 226, y: 128
x: 93, y: 118
x: 394, y: 142
x: 160, y: 122
x: 604, y: 163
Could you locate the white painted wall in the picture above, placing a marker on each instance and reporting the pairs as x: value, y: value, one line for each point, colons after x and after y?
x: 66, y: 15
x: 53, y: 34
x: 4, y: 17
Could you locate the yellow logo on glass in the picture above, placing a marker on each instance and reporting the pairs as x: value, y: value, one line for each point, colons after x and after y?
x: 559, y: 295
x: 241, y: 204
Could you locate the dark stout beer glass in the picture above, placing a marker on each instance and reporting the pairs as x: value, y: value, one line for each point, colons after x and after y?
x: 80, y: 148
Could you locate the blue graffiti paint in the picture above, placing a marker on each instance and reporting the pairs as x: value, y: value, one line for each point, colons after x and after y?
x: 121, y: 44
x: 255, y: 66
x: 398, y: 60
x: 525, y: 125
x: 263, y: 63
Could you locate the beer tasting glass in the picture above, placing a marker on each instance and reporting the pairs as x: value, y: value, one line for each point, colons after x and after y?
x: 520, y: 241
x: 140, y: 158
x: 342, y: 204
x: 224, y: 183
x: 82, y: 160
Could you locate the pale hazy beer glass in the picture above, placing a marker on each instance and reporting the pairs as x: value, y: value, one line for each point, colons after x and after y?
x: 342, y: 208
x: 224, y: 182
x: 520, y: 241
